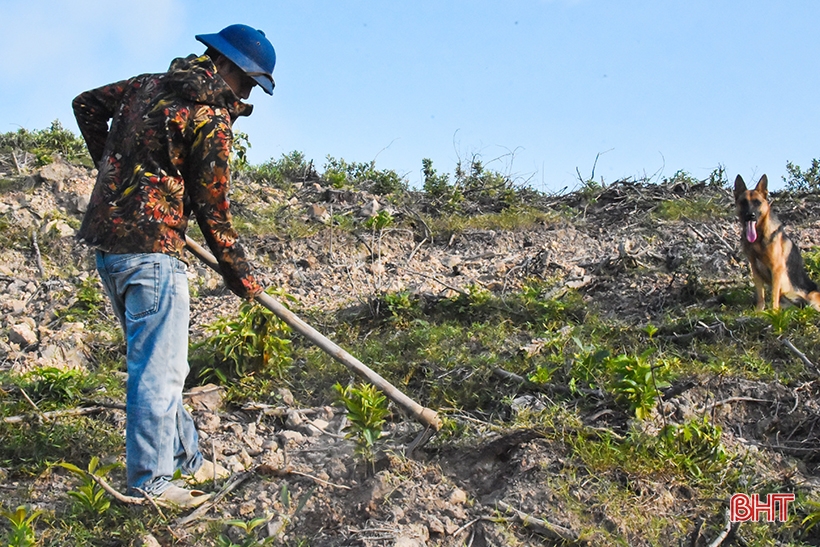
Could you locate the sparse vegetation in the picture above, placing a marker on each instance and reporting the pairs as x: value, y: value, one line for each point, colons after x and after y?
x: 599, y: 379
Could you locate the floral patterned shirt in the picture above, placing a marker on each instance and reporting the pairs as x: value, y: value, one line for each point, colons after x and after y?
x: 165, y: 156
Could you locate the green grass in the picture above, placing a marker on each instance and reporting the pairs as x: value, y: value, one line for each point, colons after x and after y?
x: 696, y: 209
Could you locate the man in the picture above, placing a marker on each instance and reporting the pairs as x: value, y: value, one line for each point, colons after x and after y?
x: 165, y: 156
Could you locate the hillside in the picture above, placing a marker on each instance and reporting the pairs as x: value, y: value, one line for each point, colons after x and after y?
x: 595, y: 356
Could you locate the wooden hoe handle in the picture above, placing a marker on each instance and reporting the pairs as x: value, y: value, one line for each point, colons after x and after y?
x: 423, y: 415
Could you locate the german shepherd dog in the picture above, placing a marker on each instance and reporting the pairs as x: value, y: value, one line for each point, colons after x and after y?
x: 774, y: 258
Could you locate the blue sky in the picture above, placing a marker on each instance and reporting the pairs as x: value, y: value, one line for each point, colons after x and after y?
x: 538, y: 89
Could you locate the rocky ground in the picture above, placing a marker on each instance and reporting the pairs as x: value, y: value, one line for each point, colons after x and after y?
x: 499, y: 490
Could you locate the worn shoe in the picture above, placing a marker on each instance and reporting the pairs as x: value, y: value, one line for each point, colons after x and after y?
x: 182, y: 498
x: 209, y: 471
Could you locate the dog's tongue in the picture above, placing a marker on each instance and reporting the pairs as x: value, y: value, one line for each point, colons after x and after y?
x: 751, y: 231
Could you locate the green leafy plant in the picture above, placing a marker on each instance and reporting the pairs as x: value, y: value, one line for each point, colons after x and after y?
x: 239, y: 151
x: 367, y: 411
x: 55, y: 384
x: 254, y: 341
x: 439, y: 187
x: 283, y: 172
x: 587, y: 363
x: 781, y: 318
x: 636, y: 383
x: 377, y: 224
x: 89, y: 302
x: 542, y: 374
x: 813, y: 517
x: 400, y: 305
x: 695, y: 445
x: 90, y: 497
x: 21, y: 521
x: 45, y: 143
x: 248, y: 529
x: 803, y: 181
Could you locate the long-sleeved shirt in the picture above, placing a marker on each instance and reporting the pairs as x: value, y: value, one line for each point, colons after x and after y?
x: 165, y: 155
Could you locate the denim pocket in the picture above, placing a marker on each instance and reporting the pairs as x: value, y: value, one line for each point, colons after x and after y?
x: 143, y: 290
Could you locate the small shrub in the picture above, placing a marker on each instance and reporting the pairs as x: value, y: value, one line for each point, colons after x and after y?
x: 90, y: 496
x: 288, y: 169
x: 21, y: 521
x: 89, y: 303
x: 255, y: 341
x: 636, y: 382
x: 56, y: 385
x: 341, y: 174
x: 45, y: 143
x: 438, y: 186
x: 367, y: 409
x: 803, y: 181
x: 695, y: 445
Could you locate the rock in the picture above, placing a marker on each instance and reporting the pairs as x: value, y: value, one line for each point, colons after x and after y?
x: 370, y: 209
x: 308, y: 263
x: 435, y: 525
x: 291, y: 437
x: 16, y: 306
x: 23, y: 334
x: 416, y: 536
x: 60, y: 227
x: 147, y: 541
x: 319, y: 424
x: 56, y: 172
x: 450, y: 262
x: 294, y: 419
x: 286, y: 396
x: 208, y: 422
x: 81, y: 204
x: 458, y: 497
x: 336, y: 468
x: 318, y: 212
x: 207, y: 397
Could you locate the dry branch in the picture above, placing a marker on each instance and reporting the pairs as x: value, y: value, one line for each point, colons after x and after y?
x: 724, y: 533
x: 54, y: 414
x: 800, y: 355
x: 542, y: 526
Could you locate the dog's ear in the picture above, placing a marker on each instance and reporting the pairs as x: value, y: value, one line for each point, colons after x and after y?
x: 763, y: 185
x: 740, y: 187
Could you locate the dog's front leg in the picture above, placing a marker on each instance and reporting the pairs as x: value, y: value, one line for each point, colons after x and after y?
x: 777, y: 286
x: 760, y: 293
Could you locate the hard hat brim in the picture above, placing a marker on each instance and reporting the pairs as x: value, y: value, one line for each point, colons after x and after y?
x: 260, y: 76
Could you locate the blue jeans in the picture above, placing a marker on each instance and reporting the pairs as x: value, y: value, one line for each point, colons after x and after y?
x: 149, y: 293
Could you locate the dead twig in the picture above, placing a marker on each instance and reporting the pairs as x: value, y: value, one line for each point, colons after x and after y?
x: 53, y: 413
x: 37, y: 256
x: 415, y: 250
x: 34, y: 406
x: 545, y: 388
x: 735, y: 400
x: 122, y: 498
x: 440, y: 282
x: 800, y: 355
x: 724, y: 533
x: 320, y: 481
x: 698, y: 332
x: 235, y: 481
x: 542, y: 526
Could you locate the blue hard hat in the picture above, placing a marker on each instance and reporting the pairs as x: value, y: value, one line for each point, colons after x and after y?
x: 248, y: 49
